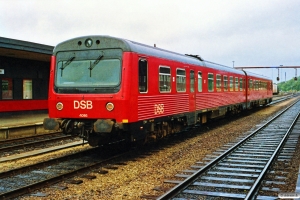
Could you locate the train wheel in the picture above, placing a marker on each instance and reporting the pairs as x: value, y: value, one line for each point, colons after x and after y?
x: 93, y: 140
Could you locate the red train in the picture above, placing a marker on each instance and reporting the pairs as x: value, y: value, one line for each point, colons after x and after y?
x: 107, y: 89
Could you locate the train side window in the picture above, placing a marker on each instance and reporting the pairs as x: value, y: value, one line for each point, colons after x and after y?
x: 199, y: 81
x: 231, y: 83
x: 180, y: 80
x: 255, y: 85
x: 219, y: 83
x: 164, y: 79
x: 260, y: 85
x: 143, y: 75
x: 210, y: 82
x: 192, y: 81
x: 27, y: 89
x: 236, y: 87
x: 241, y: 84
x: 225, y: 83
x: 250, y: 84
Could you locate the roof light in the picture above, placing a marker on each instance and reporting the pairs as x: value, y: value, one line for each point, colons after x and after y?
x: 88, y: 42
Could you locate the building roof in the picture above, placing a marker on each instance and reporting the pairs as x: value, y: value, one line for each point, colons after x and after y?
x: 25, y: 50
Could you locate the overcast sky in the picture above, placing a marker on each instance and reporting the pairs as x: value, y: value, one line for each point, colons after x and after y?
x: 248, y: 32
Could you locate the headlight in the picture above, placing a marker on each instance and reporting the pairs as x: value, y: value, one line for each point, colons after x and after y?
x: 110, y: 106
x: 59, y: 106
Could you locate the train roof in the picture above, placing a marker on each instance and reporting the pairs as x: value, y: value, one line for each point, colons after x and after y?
x: 257, y: 75
x: 131, y: 46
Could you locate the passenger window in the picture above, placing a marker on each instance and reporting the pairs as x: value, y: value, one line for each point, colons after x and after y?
x: 180, y: 80
x: 231, y: 83
x: 143, y: 75
x: 219, y: 83
x: 164, y: 79
x: 192, y: 81
x: 236, y: 84
x: 250, y: 84
x: 210, y: 82
x: 199, y: 81
x: 225, y: 83
x: 260, y: 85
x: 255, y: 84
x: 242, y: 84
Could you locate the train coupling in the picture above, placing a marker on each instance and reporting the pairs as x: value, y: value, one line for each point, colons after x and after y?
x: 103, y: 125
x: 51, y: 124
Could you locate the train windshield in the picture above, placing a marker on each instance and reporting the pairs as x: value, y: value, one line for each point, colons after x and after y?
x: 105, y: 73
x: 88, y: 75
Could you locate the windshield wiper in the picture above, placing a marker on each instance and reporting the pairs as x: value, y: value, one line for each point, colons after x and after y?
x: 92, y: 66
x: 66, y: 64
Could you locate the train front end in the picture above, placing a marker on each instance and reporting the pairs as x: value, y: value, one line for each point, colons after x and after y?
x: 85, y: 89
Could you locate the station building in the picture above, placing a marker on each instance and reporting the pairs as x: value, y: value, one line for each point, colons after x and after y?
x: 24, y: 75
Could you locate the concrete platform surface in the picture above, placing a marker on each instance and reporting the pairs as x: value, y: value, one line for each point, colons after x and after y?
x: 22, y: 118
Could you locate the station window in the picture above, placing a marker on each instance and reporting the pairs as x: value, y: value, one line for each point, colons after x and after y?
x: 210, y: 82
x: 192, y: 81
x: 231, y: 83
x: 225, y: 83
x: 164, y: 79
x: 236, y: 87
x: 7, y: 88
x: 27, y: 89
x: 180, y: 80
x: 199, y: 81
x: 218, y: 83
x: 143, y: 75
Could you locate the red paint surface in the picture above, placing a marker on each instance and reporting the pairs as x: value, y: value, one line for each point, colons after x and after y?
x: 23, y: 105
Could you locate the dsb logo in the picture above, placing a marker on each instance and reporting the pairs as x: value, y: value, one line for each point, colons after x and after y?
x: 83, y: 104
x: 158, y: 109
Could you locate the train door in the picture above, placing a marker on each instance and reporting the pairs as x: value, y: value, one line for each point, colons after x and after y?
x: 192, y: 96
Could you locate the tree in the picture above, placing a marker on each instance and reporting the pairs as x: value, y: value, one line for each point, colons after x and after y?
x: 290, y: 85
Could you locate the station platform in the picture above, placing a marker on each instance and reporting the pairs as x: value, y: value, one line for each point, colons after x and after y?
x: 11, y: 119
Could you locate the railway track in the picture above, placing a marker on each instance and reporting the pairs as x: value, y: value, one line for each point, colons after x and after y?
x: 9, y: 146
x: 35, y: 176
x: 284, y: 98
x: 26, y: 179
x: 35, y: 145
x: 240, y: 171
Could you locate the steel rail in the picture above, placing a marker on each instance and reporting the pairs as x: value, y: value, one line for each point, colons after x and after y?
x: 43, y: 163
x: 184, y: 184
x: 258, y: 181
x: 8, y: 148
x: 50, y: 181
